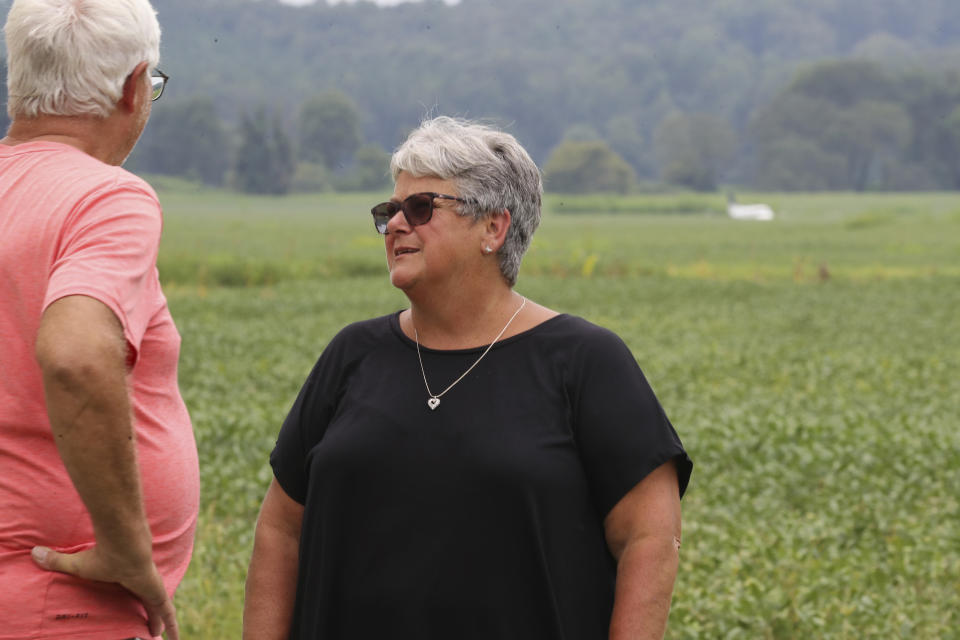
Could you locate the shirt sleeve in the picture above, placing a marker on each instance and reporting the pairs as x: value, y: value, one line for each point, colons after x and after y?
x: 108, y: 251
x: 307, y: 420
x: 621, y: 429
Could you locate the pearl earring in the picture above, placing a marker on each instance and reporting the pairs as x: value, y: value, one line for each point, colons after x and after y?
x: 487, y: 250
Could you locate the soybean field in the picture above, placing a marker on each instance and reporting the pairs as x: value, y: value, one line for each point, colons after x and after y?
x: 811, y: 365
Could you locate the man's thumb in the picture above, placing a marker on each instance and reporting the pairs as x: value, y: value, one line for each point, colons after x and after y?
x: 42, y: 556
x: 47, y: 558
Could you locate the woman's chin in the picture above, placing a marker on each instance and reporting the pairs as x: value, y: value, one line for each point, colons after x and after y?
x: 400, y: 278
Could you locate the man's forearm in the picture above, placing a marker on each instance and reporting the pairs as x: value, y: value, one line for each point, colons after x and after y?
x: 645, y: 575
x: 89, y: 410
x: 82, y: 351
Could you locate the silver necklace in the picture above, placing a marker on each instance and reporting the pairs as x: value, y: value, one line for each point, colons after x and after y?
x: 434, y: 400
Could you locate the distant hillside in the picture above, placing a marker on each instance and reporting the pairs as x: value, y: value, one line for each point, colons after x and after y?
x: 612, y: 69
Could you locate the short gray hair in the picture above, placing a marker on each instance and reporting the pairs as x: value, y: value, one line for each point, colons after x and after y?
x: 490, y: 169
x: 72, y: 57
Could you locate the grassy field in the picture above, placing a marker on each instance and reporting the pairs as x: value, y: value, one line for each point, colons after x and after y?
x: 810, y: 365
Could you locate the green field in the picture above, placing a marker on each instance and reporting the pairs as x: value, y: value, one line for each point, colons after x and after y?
x: 810, y: 365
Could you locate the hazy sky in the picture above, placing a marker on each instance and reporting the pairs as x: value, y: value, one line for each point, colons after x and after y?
x: 380, y: 2
x: 301, y: 2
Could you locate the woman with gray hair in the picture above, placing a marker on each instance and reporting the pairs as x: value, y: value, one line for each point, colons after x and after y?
x: 477, y: 465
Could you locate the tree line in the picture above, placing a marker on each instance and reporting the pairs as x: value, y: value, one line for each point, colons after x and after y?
x: 677, y: 89
x: 673, y: 87
x: 187, y: 138
x: 838, y: 125
x: 858, y: 125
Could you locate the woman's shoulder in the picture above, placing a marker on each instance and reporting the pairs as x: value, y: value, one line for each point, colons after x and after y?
x: 570, y: 340
x: 366, y: 333
x: 350, y: 346
x: 574, y: 330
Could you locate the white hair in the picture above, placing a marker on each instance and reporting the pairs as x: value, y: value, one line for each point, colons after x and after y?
x: 72, y: 57
x: 491, y: 171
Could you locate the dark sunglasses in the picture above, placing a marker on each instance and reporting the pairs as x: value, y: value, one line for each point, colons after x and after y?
x: 417, y: 209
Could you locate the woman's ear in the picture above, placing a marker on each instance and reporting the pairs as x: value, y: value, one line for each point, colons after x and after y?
x: 495, y: 230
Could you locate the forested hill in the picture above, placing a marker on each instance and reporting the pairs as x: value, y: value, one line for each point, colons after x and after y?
x: 544, y: 65
x: 549, y: 69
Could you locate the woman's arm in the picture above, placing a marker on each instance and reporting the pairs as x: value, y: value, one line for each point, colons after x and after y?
x: 643, y: 533
x: 272, y: 578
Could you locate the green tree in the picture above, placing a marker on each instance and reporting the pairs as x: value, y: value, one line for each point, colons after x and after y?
x: 844, y: 83
x: 854, y: 110
x: 625, y: 136
x: 264, y: 162
x: 931, y: 100
x: 329, y: 129
x: 585, y: 167
x: 794, y: 163
x: 693, y: 150
x: 185, y: 138
x: 865, y: 135
x: 283, y: 163
x: 370, y: 170
x: 310, y: 177
x: 252, y: 167
x: 951, y: 125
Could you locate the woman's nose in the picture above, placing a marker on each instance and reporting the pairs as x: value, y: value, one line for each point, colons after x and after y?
x: 398, y: 223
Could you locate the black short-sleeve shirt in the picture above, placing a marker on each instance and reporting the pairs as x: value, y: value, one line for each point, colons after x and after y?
x: 482, y: 518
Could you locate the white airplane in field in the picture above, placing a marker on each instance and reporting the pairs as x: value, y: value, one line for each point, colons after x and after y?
x: 747, y: 211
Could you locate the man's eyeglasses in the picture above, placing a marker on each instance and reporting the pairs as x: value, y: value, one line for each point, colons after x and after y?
x: 158, y: 80
x: 417, y: 209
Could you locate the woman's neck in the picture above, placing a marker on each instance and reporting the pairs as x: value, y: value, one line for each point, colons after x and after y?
x: 462, y: 320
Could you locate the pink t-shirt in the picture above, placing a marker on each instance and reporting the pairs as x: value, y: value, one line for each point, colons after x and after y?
x: 69, y: 225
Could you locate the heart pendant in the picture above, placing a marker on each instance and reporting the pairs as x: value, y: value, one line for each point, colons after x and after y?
x: 433, y: 403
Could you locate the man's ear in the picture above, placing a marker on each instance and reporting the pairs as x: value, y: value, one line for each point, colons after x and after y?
x: 131, y: 86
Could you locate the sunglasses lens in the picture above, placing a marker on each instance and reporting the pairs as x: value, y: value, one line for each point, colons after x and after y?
x: 382, y: 214
x: 418, y: 208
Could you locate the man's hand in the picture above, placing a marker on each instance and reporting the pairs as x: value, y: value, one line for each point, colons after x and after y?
x: 140, y: 578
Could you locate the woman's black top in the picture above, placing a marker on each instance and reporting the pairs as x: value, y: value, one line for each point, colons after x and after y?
x: 480, y: 519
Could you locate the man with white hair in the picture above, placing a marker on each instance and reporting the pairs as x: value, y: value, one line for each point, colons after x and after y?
x: 99, y: 485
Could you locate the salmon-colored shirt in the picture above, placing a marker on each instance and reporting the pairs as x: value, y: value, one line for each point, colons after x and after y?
x: 69, y: 225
